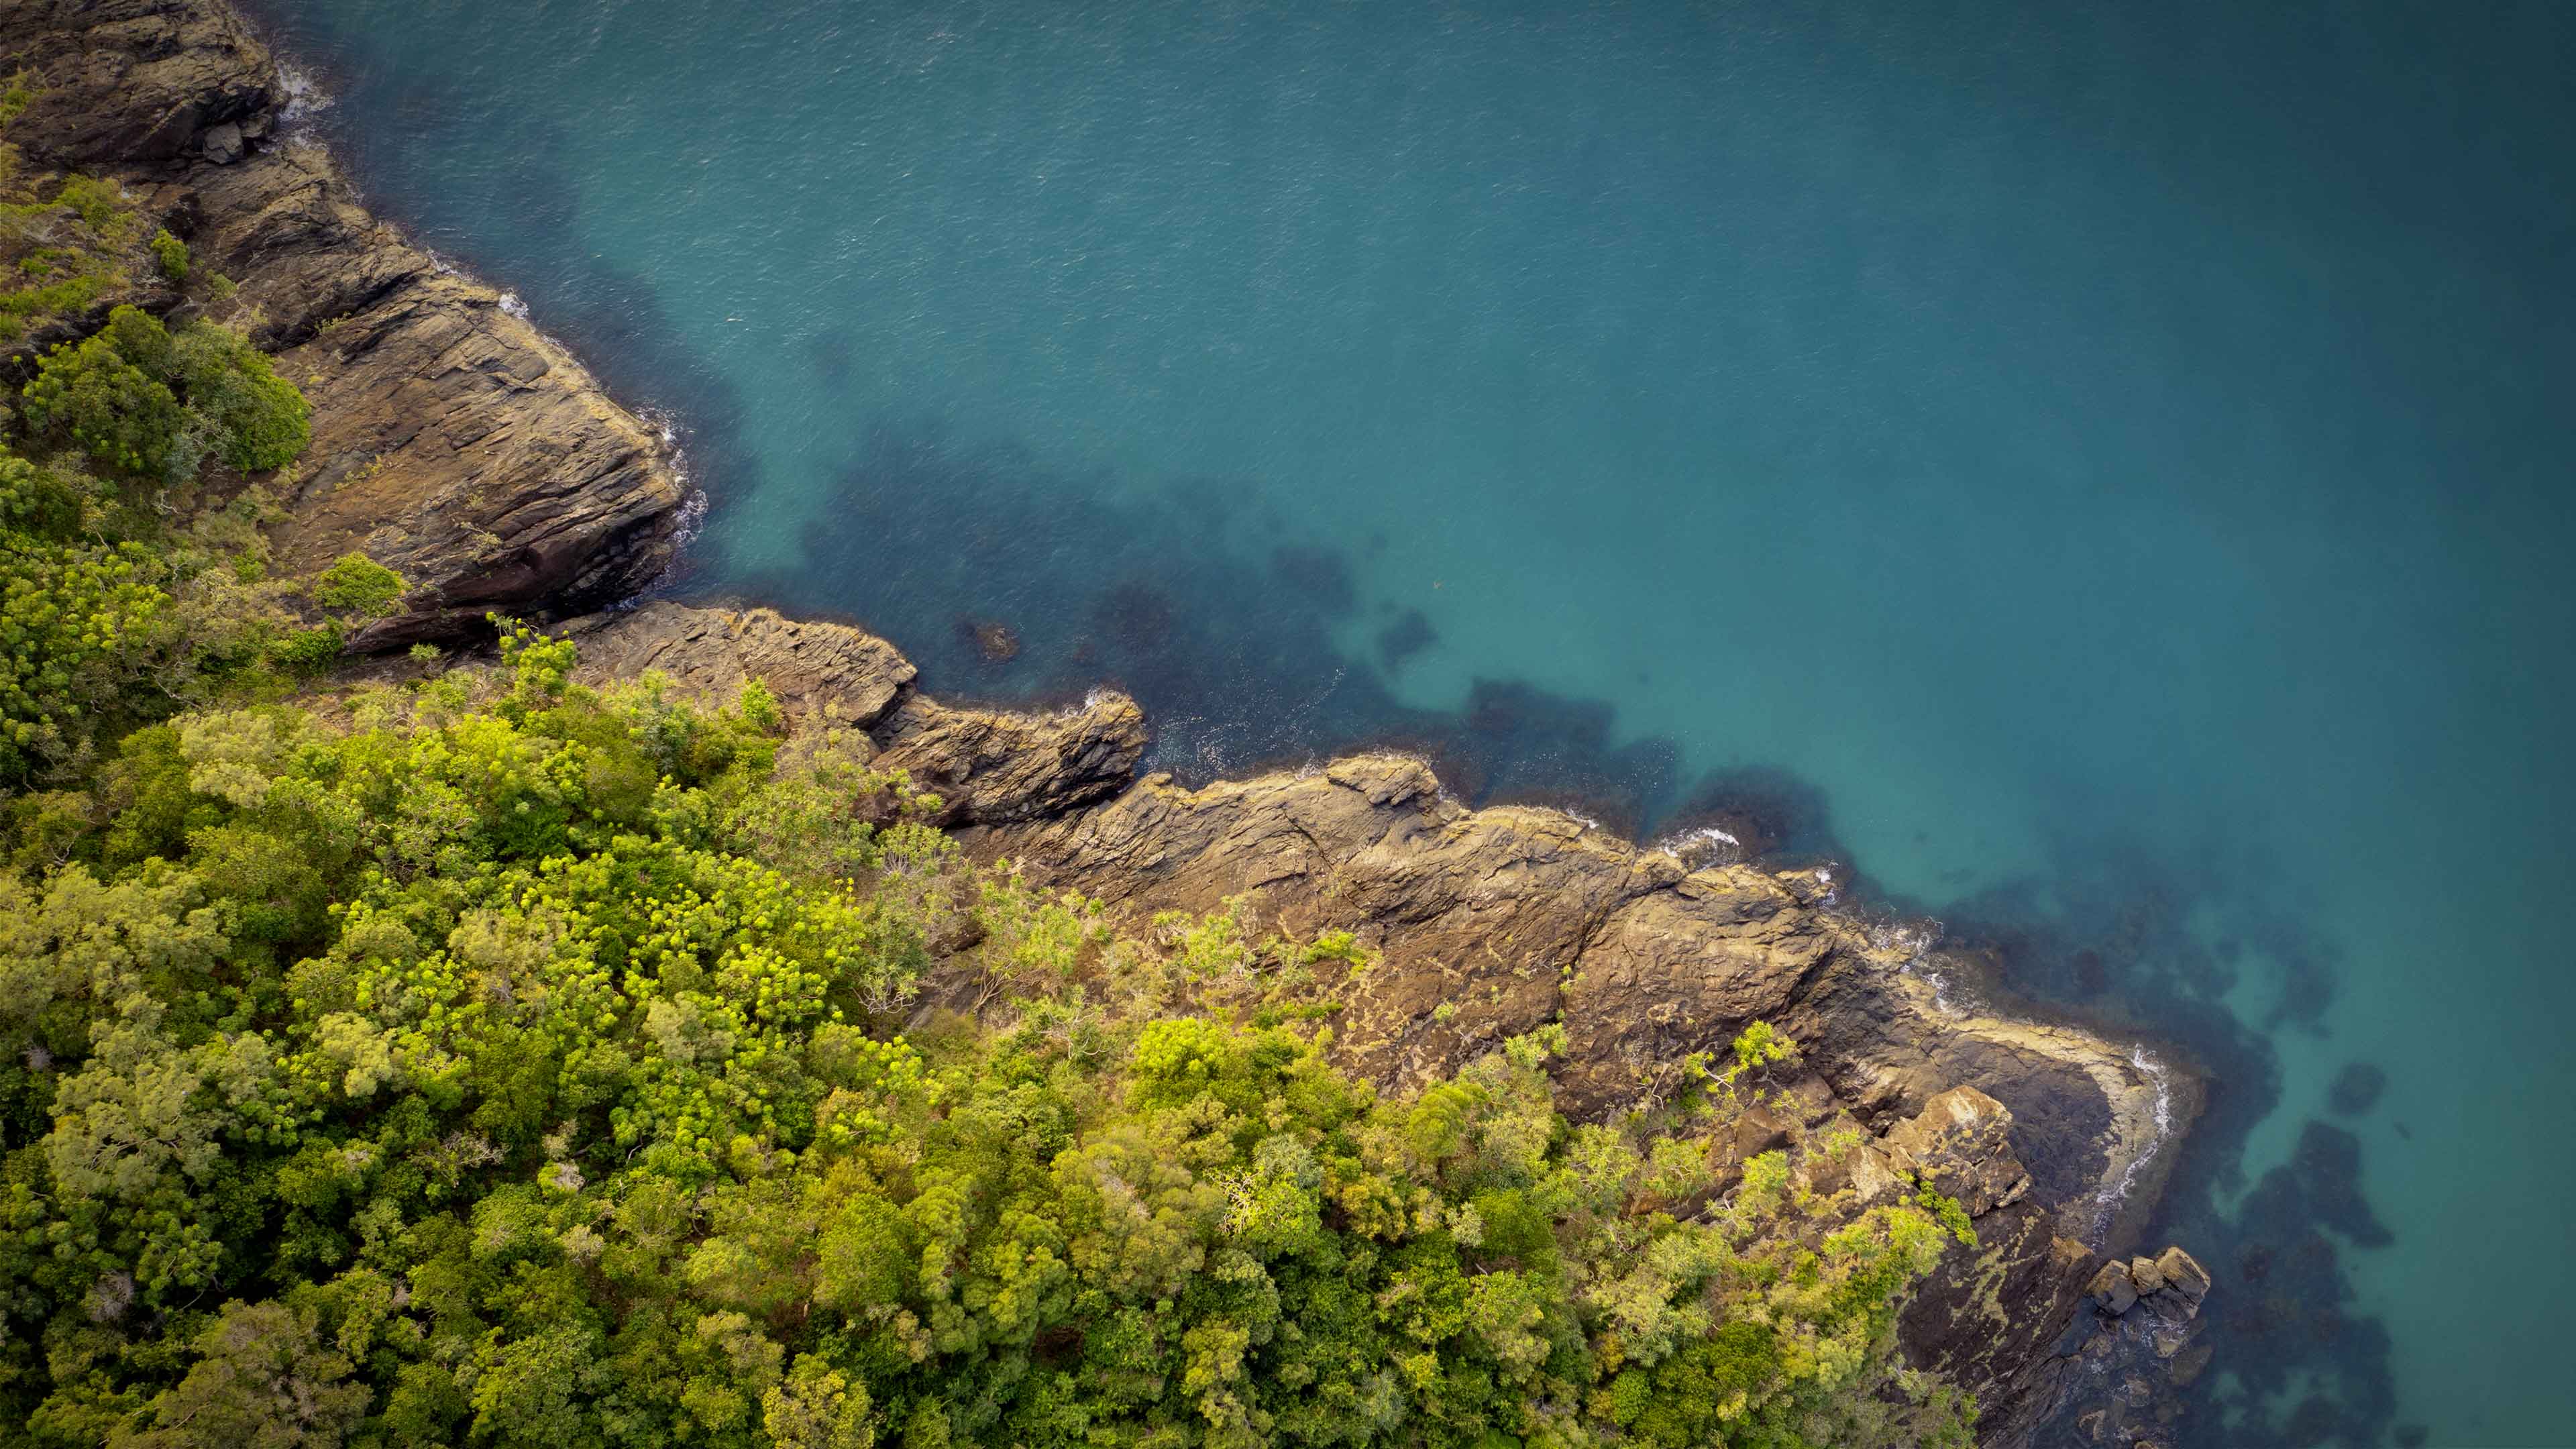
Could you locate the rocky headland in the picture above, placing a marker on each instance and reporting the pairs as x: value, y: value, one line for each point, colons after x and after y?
x: 457, y: 444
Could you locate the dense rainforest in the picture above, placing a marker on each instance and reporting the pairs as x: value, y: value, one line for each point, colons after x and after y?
x: 445, y: 1052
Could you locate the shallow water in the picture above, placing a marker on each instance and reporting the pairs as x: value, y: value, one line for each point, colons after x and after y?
x: 2101, y: 472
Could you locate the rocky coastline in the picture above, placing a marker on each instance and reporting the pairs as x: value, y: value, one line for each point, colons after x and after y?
x: 457, y: 444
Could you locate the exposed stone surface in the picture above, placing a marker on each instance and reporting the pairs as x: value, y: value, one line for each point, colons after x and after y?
x: 451, y: 440
x: 822, y: 672
x: 223, y: 144
x: 1001, y: 768
x: 1511, y: 915
x: 1960, y: 1142
x: 2183, y: 1274
x: 988, y: 767
x: 132, y: 82
x: 2113, y: 1288
x: 2114, y: 1384
x: 1992, y: 1316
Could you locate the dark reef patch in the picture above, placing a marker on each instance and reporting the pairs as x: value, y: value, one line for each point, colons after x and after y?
x: 1409, y: 635
x: 2357, y: 1089
x: 2156, y: 945
x: 1321, y: 574
x: 1188, y: 598
x: 1772, y: 814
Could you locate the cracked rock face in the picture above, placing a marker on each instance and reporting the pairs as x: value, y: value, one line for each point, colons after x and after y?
x: 133, y: 82
x: 1961, y: 1143
x: 451, y: 441
x: 988, y: 767
x: 820, y: 672
x: 1492, y: 922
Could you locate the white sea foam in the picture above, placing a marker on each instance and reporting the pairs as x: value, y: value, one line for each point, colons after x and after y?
x: 666, y: 427
x: 1915, y: 939
x: 692, y: 518
x: 2113, y: 1194
x: 1715, y: 840
x: 304, y: 96
x: 511, y: 304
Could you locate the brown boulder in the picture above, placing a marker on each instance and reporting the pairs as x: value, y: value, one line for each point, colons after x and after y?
x: 1961, y: 1143
x: 2113, y: 1290
x: 2183, y: 1274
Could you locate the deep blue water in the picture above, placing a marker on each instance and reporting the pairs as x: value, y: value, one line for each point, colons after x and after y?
x: 2102, y: 471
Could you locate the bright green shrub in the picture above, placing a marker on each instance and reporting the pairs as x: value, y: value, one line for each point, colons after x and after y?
x: 122, y: 416
x: 64, y: 613
x: 98, y: 202
x: 260, y: 420
x: 172, y: 254
x: 17, y: 93
x: 36, y: 501
x: 360, y: 585
x: 143, y: 401
x: 69, y: 607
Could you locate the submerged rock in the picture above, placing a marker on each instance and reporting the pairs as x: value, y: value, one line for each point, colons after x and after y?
x: 2356, y: 1089
x: 994, y: 641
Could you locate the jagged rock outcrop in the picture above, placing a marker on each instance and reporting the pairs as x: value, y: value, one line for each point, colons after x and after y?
x: 1508, y: 916
x: 820, y: 672
x: 452, y: 441
x: 2134, y: 1350
x: 132, y: 83
x: 996, y: 767
x: 1961, y: 1144
x: 988, y: 767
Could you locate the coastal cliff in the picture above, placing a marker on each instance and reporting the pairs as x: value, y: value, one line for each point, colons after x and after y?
x: 452, y: 441
x: 1490, y: 923
x: 458, y: 445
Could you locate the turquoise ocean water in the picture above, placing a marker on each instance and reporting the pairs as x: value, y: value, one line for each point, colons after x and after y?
x: 2102, y: 471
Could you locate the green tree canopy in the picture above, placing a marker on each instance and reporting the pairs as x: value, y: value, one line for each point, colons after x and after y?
x: 499, y: 1062
x: 145, y: 402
